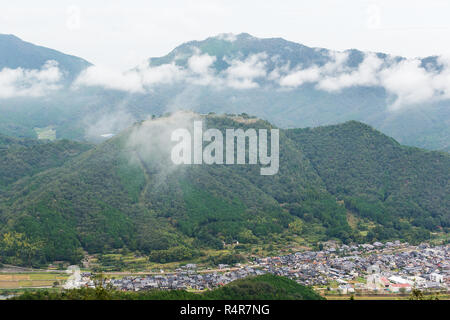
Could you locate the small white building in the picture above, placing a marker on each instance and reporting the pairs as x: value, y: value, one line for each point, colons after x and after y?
x: 376, y: 282
x: 373, y: 269
x: 399, y: 280
x: 346, y: 289
x: 417, y: 281
x: 399, y: 287
x: 436, y: 277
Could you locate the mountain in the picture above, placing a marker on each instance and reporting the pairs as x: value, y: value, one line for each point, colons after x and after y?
x: 286, y: 83
x: 228, y: 47
x: 377, y: 177
x: 16, y: 53
x: 425, y: 124
x: 347, y: 182
x: 35, y: 91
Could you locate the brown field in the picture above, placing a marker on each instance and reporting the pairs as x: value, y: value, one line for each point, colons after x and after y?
x: 9, y: 284
x: 13, y: 277
x: 29, y: 280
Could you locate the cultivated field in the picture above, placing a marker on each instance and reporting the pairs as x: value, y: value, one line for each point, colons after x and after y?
x: 30, y: 280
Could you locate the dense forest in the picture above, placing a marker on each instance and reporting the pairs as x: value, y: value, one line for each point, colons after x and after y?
x: 58, y: 202
x: 25, y: 157
x: 397, y: 187
x: 265, y: 287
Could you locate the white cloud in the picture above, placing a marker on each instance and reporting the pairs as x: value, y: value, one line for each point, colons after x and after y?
x: 409, y: 82
x: 163, y: 74
x: 338, y: 62
x: 406, y: 81
x: 299, y: 76
x: 365, y: 75
x: 241, y: 74
x: 441, y: 81
x: 201, y: 64
x: 134, y: 81
x: 110, y: 79
x: 105, y: 124
x: 30, y: 82
x: 202, y: 73
x: 227, y: 37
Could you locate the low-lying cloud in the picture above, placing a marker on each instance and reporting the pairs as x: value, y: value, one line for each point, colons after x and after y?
x: 406, y: 81
x: 149, y: 144
x: 241, y: 74
x: 30, y: 82
x: 101, y: 125
x: 135, y: 81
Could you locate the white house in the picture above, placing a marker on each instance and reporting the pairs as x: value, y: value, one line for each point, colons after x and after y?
x: 399, y: 280
x: 373, y: 269
x: 377, y: 282
x: 346, y: 288
x: 436, y: 277
x: 398, y: 287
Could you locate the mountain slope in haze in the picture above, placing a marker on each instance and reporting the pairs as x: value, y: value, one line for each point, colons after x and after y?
x: 23, y: 108
x: 16, y: 53
x: 126, y: 193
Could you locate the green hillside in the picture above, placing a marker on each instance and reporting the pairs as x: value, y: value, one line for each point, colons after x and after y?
x: 125, y: 193
x: 25, y: 157
x: 265, y: 287
x: 395, y: 186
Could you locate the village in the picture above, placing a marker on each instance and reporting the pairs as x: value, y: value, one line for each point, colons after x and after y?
x: 388, y: 268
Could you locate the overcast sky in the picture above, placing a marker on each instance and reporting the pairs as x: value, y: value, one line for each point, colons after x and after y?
x: 120, y: 34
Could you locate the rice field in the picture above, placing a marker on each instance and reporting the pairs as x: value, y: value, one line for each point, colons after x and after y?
x: 30, y: 280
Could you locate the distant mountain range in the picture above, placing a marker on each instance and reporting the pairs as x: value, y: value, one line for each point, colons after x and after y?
x: 348, y: 182
x: 286, y: 83
x: 15, y: 53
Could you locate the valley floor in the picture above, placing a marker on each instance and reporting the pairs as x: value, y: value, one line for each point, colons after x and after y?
x: 369, y: 271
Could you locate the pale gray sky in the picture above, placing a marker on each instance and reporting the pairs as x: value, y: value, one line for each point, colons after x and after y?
x: 120, y: 34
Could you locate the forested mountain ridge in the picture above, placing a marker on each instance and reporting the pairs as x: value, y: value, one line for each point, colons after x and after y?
x: 125, y: 193
x: 26, y: 157
x: 379, y: 178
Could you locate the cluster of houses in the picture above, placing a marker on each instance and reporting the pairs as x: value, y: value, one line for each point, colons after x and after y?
x: 391, y: 267
x: 183, y: 278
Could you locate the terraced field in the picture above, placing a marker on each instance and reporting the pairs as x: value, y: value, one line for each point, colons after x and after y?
x: 30, y: 280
